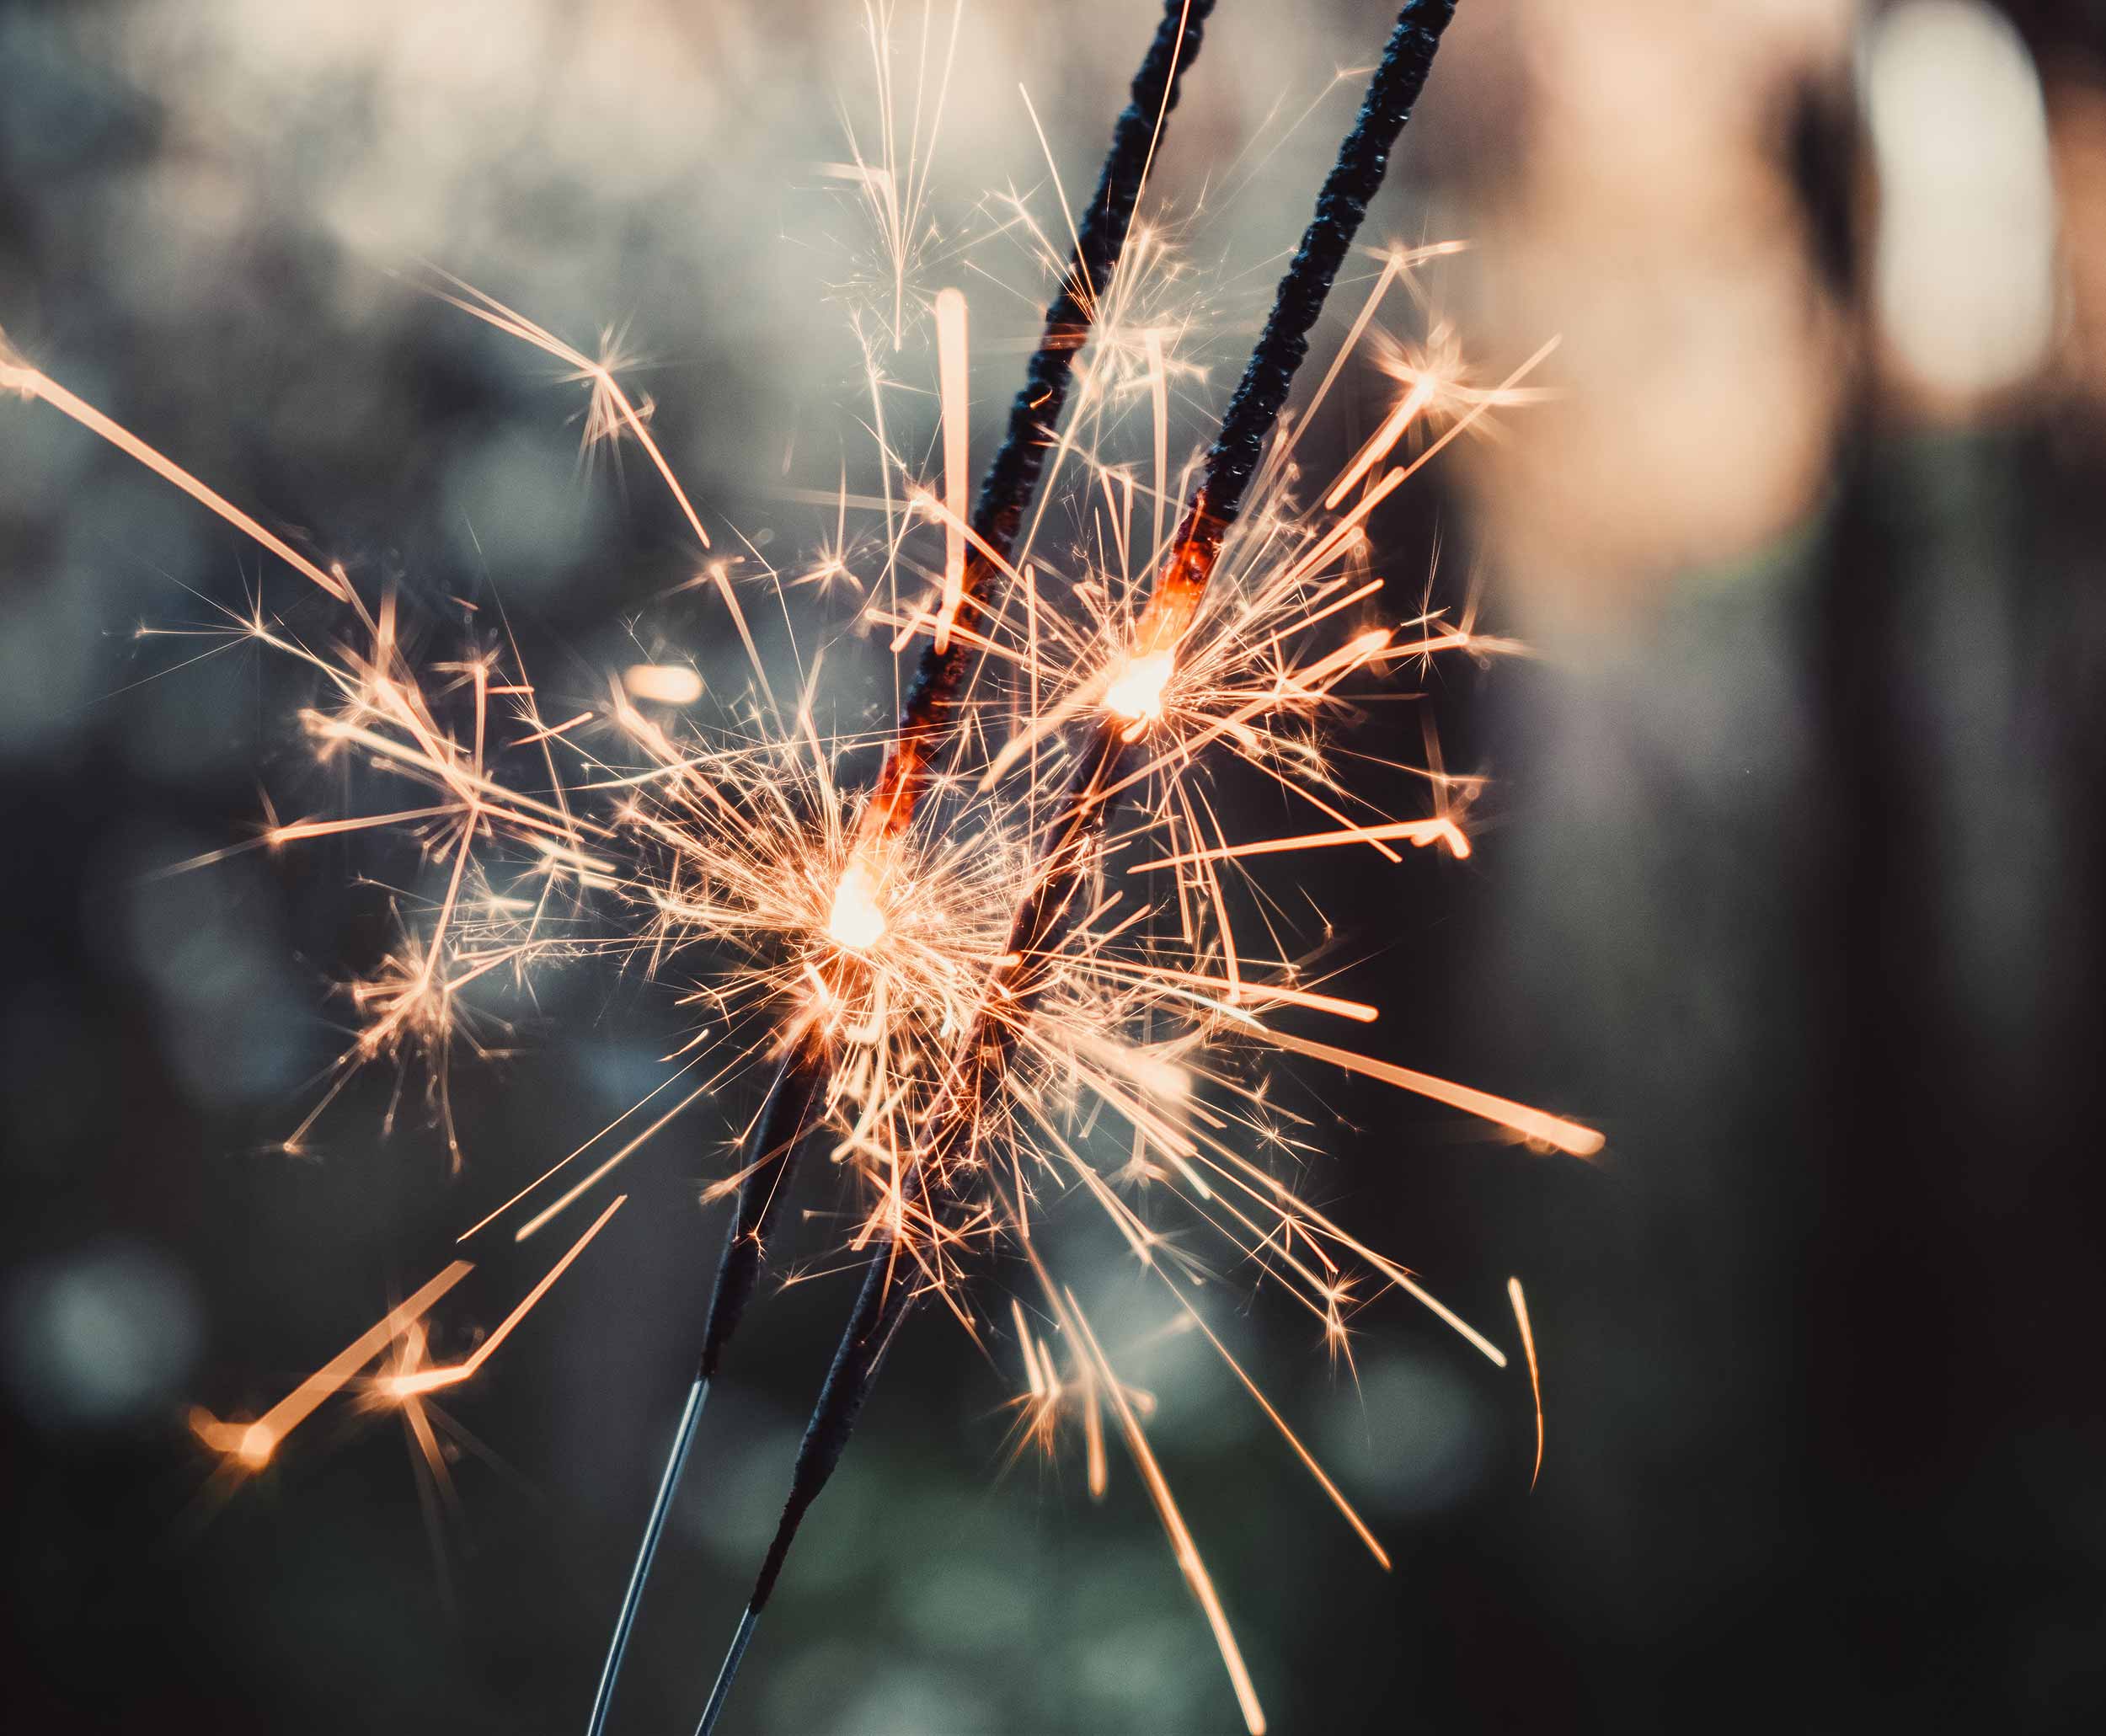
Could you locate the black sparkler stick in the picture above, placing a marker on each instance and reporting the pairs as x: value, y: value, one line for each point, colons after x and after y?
x: 926, y: 713
x: 888, y: 1295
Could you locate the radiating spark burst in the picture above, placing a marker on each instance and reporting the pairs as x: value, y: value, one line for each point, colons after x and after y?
x: 1535, y: 1375
x: 740, y: 858
x: 891, y: 161
x: 809, y: 925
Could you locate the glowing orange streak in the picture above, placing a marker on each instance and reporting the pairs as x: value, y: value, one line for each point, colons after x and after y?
x: 427, y: 1441
x: 483, y: 1222
x: 1137, y: 1234
x: 429, y: 1379
x: 1279, y: 1422
x: 1240, y: 991
x: 253, y: 1443
x: 1568, y: 1137
x: 439, y: 927
x: 555, y: 855
x: 1385, y: 437
x: 535, y: 1223
x: 1143, y: 1240
x: 1031, y: 1358
x: 552, y: 730
x: 1535, y: 1377
x: 517, y: 325
x: 907, y: 626
x: 1395, y: 263
x: 1155, y: 135
x: 1230, y: 962
x: 1484, y: 645
x: 299, y: 829
x: 303, y: 829
x: 1326, y: 808
x: 1087, y: 291
x: 1291, y: 1207
x: 1421, y: 832
x: 1465, y: 422
x: 1181, y: 1543
x: 1159, y: 399
x: 1093, y: 1435
x: 953, y: 519
x: 1309, y: 620
x: 950, y: 357
x: 34, y: 383
x: 1336, y: 536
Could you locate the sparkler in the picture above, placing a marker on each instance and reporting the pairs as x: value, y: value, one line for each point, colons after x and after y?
x: 940, y: 971
x: 1134, y: 698
x: 971, y: 581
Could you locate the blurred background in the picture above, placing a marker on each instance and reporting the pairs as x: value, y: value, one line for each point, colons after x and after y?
x: 1787, y: 878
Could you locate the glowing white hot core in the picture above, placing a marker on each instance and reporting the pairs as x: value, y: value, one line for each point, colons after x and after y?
x: 857, y: 919
x: 1136, y: 693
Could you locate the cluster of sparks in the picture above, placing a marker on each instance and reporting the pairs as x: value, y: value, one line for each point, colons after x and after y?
x: 746, y: 857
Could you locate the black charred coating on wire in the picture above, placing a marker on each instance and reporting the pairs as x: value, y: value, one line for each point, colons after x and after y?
x: 889, y: 1290
x: 1354, y: 180
x: 785, y: 1117
x: 891, y: 1286
x: 1034, y: 413
x: 888, y: 1293
x: 1004, y: 493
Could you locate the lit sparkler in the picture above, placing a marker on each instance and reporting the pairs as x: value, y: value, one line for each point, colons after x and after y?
x: 956, y: 1176
x: 1023, y: 922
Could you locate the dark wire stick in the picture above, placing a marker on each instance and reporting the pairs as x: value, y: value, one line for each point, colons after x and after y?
x: 888, y: 1296
x: 926, y: 712
x: 890, y: 1293
x: 785, y: 1117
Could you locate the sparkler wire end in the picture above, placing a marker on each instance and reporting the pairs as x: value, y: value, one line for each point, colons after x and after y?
x: 722, y: 1692
x: 1042, y: 919
x: 654, y: 1529
x: 784, y: 1119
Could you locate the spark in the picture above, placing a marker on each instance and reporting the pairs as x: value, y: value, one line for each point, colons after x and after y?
x: 249, y: 1446
x: 1182, y: 1546
x: 1535, y: 1375
x: 1420, y: 833
x: 1554, y: 1130
x: 16, y: 376
x: 410, y: 1381
x: 1135, y: 689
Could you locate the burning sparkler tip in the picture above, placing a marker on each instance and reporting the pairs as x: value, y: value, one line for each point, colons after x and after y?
x: 857, y: 919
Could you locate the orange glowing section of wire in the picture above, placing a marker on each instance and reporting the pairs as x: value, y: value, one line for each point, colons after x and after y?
x: 1420, y: 833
